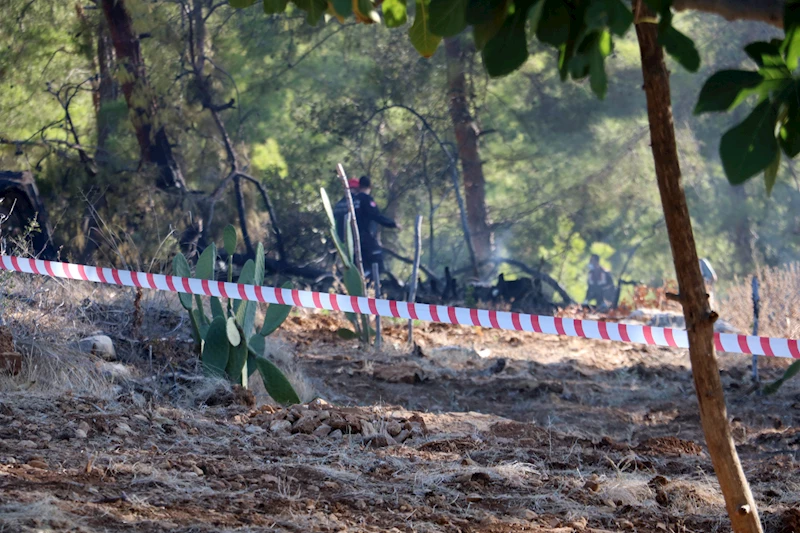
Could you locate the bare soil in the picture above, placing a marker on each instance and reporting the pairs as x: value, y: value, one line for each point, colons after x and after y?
x: 568, y: 435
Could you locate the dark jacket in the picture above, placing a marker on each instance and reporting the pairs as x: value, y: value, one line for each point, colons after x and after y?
x: 368, y: 216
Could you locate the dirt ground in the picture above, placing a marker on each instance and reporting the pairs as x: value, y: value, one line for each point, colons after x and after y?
x: 471, y: 431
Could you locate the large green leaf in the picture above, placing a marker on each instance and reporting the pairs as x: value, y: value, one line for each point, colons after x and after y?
x: 196, y: 336
x: 216, y: 308
x: 679, y: 46
x: 346, y: 334
x: 771, y: 172
x: 201, y: 321
x: 229, y: 239
x: 353, y: 282
x: 726, y: 89
x: 216, y: 348
x: 276, y: 383
x: 245, y: 277
x: 420, y: 35
x: 478, y: 11
x: 790, y: 372
x: 237, y: 365
x: 395, y: 12
x: 508, y: 49
x: 620, y: 17
x: 240, y: 4
x: 273, y: 7
x: 180, y: 266
x: 791, y: 27
x: 314, y: 9
x: 749, y: 147
x: 326, y: 203
x: 789, y: 138
x: 205, y: 268
x: 554, y: 24
x: 765, y: 54
x: 488, y: 26
x: 275, y: 315
x: 597, y: 70
x: 343, y: 7
x: 447, y: 17
x: 257, y: 344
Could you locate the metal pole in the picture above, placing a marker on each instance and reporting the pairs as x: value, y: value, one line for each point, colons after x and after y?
x: 412, y: 294
x: 376, y: 276
x: 756, y: 310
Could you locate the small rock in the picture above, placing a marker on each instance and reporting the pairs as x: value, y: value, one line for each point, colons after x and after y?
x: 336, y: 434
x: 474, y: 497
x: 280, y: 426
x: 367, y: 429
x: 323, y: 415
x: 80, y: 434
x: 592, y: 485
x: 402, y: 436
x: 115, y: 370
x: 253, y: 430
x: 84, y: 426
x: 39, y: 463
x: 27, y: 444
x: 306, y: 424
x: 394, y: 428
x: 122, y: 429
x: 100, y: 345
x: 579, y: 524
x: 378, y: 441
x: 527, y: 514
x: 198, y: 471
x: 322, y: 431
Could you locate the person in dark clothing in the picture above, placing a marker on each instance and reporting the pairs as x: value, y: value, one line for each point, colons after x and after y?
x: 368, y: 216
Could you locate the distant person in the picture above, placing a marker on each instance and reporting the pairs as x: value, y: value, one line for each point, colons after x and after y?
x: 600, y: 285
x: 368, y: 216
x: 710, y: 279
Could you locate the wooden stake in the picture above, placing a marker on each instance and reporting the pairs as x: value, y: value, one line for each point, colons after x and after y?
x: 412, y: 294
x: 376, y: 276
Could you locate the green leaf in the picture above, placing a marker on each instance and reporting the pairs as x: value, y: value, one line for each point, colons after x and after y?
x: 180, y: 266
x: 554, y: 25
x: 216, y: 348
x: 790, y: 372
x: 680, y: 47
x: 765, y: 54
x: 365, y: 11
x: 346, y: 334
x: 275, y: 383
x: 726, y: 89
x: 447, y: 17
x: 237, y: 368
x: 508, y: 49
x: 771, y: 172
x: 205, y: 268
x: 257, y: 344
x: 232, y: 331
x: 273, y: 7
x: 229, y: 239
x: 353, y: 282
x: 479, y: 10
x: 275, y: 315
x: 196, y: 336
x: 343, y: 7
x: 395, y: 12
x: 245, y: 277
x: 749, y: 147
x: 789, y: 137
x: 241, y: 4
x: 216, y: 308
x: 597, y: 69
x: 791, y: 27
x: 620, y: 17
x: 326, y: 203
x: 314, y: 9
x: 202, y: 322
x: 421, y: 37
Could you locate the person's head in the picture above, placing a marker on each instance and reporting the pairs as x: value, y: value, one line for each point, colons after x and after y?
x: 353, y: 184
x: 594, y: 260
x: 365, y: 184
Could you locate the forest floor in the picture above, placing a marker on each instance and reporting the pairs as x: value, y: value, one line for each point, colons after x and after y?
x: 570, y: 435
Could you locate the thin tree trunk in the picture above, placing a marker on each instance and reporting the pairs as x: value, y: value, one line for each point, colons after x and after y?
x: 241, y: 208
x: 150, y: 133
x: 699, y: 317
x: 107, y: 89
x: 466, y: 133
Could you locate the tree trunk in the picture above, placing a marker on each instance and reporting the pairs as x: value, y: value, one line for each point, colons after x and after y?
x: 466, y: 133
x: 699, y: 317
x: 242, y: 210
x: 150, y: 133
x: 107, y: 89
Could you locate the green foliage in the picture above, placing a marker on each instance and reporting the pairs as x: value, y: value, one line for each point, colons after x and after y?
x: 420, y: 34
x: 230, y: 345
x: 395, y: 12
x: 773, y: 126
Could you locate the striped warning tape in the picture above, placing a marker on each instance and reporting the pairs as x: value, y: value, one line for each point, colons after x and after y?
x: 590, y: 329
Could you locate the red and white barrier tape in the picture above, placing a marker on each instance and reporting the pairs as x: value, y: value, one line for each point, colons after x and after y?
x: 590, y: 329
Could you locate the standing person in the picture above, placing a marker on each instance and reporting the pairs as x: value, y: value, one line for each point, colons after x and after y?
x: 600, y: 285
x: 368, y: 216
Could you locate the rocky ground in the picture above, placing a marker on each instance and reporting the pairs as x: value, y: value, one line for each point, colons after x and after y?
x: 471, y: 430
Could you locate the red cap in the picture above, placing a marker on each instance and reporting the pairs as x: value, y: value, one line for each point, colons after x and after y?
x: 353, y: 184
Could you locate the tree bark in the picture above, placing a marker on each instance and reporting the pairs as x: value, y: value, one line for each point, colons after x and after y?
x: 697, y: 312
x: 241, y: 208
x: 466, y: 133
x: 107, y: 88
x: 151, y: 134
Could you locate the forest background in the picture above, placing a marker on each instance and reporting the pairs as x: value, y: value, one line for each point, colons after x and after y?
x: 255, y: 106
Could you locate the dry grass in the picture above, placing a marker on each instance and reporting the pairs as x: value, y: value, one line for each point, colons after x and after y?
x: 780, y: 306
